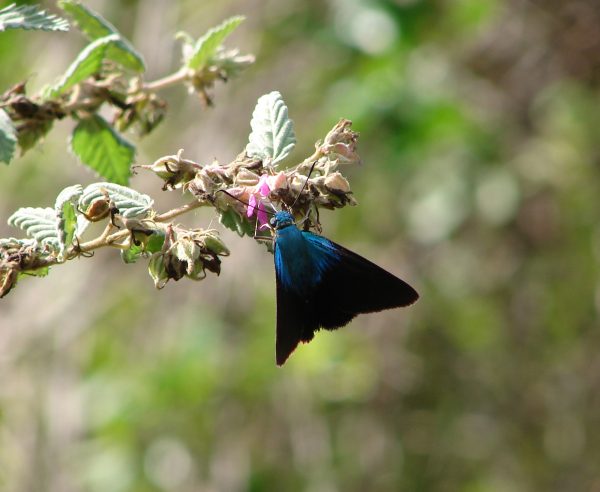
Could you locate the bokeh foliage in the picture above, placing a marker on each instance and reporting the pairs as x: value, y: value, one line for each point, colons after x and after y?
x: 479, y: 127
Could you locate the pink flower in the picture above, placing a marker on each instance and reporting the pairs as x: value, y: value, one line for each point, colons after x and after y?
x: 277, y: 181
x: 256, y: 201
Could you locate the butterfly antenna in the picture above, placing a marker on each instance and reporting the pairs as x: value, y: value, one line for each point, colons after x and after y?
x: 247, y: 204
x: 305, y: 183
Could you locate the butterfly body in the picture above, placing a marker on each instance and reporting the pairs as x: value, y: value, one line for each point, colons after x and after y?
x: 299, y: 261
x: 320, y: 284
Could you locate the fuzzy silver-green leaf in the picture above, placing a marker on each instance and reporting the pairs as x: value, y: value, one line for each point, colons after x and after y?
x: 272, y: 137
x: 38, y: 223
x: 131, y: 203
x: 30, y: 17
x: 8, y: 137
x: 65, y: 208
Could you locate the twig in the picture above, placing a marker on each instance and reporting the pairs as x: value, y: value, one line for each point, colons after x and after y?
x: 169, y: 80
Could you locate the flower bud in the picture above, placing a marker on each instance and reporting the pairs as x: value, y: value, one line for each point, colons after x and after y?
x: 213, y: 243
x: 341, y: 142
x: 174, y: 170
x: 157, y: 270
x: 97, y: 210
x: 245, y: 177
x: 336, y: 183
x: 278, y: 181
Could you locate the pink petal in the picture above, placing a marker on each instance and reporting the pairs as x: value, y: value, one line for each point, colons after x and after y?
x: 251, y: 206
x: 263, y: 186
x: 277, y: 181
x: 262, y: 215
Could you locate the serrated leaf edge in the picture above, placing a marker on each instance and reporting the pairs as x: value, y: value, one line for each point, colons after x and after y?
x: 272, y: 134
x: 215, y: 35
x: 120, y: 195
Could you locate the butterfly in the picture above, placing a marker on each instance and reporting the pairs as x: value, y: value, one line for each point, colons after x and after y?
x: 321, y: 284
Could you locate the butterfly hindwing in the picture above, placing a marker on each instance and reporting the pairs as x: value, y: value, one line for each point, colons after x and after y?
x: 294, y: 270
x: 295, y: 322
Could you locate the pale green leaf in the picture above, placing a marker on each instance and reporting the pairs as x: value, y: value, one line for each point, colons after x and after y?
x: 82, y: 225
x: 38, y: 272
x: 8, y: 137
x: 30, y: 136
x: 132, y: 254
x: 272, y: 137
x: 87, y: 63
x: 67, y: 214
x: 232, y: 220
x: 94, y: 26
x: 131, y: 203
x: 69, y: 194
x: 30, y: 17
x: 207, y: 45
x: 152, y: 245
x: 38, y: 223
x: 157, y: 270
x: 98, y: 146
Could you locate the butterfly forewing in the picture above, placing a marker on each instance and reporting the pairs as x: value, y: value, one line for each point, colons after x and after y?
x: 355, y: 285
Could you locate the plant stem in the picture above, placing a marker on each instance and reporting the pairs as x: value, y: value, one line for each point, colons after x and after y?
x: 179, y: 211
x: 169, y: 80
x: 107, y: 239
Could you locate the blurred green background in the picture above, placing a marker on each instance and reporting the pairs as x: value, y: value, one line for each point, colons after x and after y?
x: 480, y: 137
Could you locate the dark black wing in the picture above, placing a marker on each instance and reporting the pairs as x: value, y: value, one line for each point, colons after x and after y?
x: 348, y: 286
x: 295, y: 320
x: 354, y: 285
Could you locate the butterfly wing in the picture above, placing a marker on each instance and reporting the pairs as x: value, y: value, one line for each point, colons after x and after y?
x: 295, y: 322
x: 353, y: 285
x: 322, y: 284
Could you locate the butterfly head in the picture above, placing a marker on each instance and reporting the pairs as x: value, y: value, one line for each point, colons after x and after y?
x: 282, y: 219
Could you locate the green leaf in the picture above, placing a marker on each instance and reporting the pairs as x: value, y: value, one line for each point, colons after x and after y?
x: 98, y: 146
x: 30, y: 17
x: 130, y: 203
x: 31, y: 135
x: 38, y: 223
x: 153, y: 245
x: 155, y: 242
x: 38, y: 272
x: 132, y: 254
x: 232, y: 220
x: 272, y: 135
x: 87, y: 63
x: 66, y: 214
x: 94, y: 26
x: 207, y: 45
x: 8, y: 137
x: 157, y: 270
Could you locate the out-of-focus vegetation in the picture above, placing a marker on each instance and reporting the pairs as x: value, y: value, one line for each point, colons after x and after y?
x: 480, y: 136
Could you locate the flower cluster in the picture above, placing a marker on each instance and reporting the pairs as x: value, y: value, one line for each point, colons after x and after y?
x: 20, y: 256
x: 246, y: 191
x: 187, y: 253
